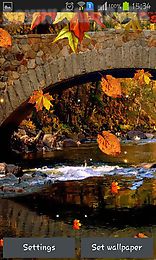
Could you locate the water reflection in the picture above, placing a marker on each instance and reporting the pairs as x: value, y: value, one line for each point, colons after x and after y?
x: 17, y: 220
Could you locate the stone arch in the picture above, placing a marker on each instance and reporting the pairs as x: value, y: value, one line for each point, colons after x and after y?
x: 47, y: 67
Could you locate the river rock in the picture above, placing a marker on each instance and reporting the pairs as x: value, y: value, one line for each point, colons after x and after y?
x: 49, y: 140
x: 149, y: 135
x: 39, y: 174
x: 26, y: 177
x: 16, y: 170
x: 131, y: 135
x: 69, y: 143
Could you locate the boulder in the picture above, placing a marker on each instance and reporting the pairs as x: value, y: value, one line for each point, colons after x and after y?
x: 131, y: 135
x: 149, y: 135
x: 49, y: 140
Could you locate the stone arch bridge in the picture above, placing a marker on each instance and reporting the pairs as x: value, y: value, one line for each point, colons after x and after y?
x: 34, y: 62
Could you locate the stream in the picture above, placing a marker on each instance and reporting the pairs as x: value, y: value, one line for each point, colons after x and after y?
x: 78, y: 186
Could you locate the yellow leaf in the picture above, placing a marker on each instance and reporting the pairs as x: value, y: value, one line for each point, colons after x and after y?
x: 65, y: 33
x: 134, y: 25
x: 41, y: 100
x: 14, y: 16
x: 62, y: 15
x: 146, y: 79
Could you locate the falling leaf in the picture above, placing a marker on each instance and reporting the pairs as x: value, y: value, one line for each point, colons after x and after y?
x: 142, y: 77
x: 14, y: 16
x: 65, y: 33
x: 79, y: 24
x: 115, y: 187
x: 39, y: 17
x: 111, y: 86
x: 5, y: 39
x: 76, y: 224
x: 1, y: 242
x: 63, y: 15
x: 41, y: 100
x: 109, y: 143
x: 140, y: 235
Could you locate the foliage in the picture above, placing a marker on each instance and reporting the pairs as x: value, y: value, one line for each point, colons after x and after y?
x: 109, y: 143
x: 142, y: 77
x: 5, y: 39
x: 111, y: 86
x: 41, y: 100
x: 79, y: 24
x: 28, y: 124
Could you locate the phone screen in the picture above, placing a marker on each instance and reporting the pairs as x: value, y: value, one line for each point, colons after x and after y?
x: 78, y: 130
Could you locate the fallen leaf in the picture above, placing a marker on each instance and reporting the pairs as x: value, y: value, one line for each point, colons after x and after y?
x: 115, y: 187
x: 109, y: 143
x: 5, y: 39
x: 111, y: 86
x: 41, y: 100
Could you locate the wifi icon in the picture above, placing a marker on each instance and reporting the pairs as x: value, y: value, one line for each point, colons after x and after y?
x: 81, y: 5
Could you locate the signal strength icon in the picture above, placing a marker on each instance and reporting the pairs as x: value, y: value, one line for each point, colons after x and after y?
x: 103, y: 7
x: 81, y: 5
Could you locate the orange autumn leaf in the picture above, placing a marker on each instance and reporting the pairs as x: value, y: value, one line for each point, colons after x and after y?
x: 39, y: 17
x: 79, y: 24
x: 111, y: 86
x: 142, y: 77
x: 109, y: 143
x: 1, y: 243
x: 140, y: 235
x: 76, y: 224
x: 115, y: 187
x: 5, y: 39
x: 41, y: 100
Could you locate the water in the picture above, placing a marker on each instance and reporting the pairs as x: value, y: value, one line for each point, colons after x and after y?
x: 83, y: 192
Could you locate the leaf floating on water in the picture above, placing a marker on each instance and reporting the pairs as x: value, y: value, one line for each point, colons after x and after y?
x: 109, y: 143
x: 76, y: 224
x: 111, y: 86
x: 140, y: 235
x: 115, y: 187
x: 5, y: 39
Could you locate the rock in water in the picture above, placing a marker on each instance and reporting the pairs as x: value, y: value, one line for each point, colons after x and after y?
x: 16, y: 170
x: 69, y: 143
x: 131, y: 135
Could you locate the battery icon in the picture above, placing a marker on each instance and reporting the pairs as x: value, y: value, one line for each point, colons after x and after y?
x: 125, y: 6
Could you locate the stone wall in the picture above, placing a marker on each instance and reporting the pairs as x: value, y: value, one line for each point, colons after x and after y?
x: 34, y: 62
